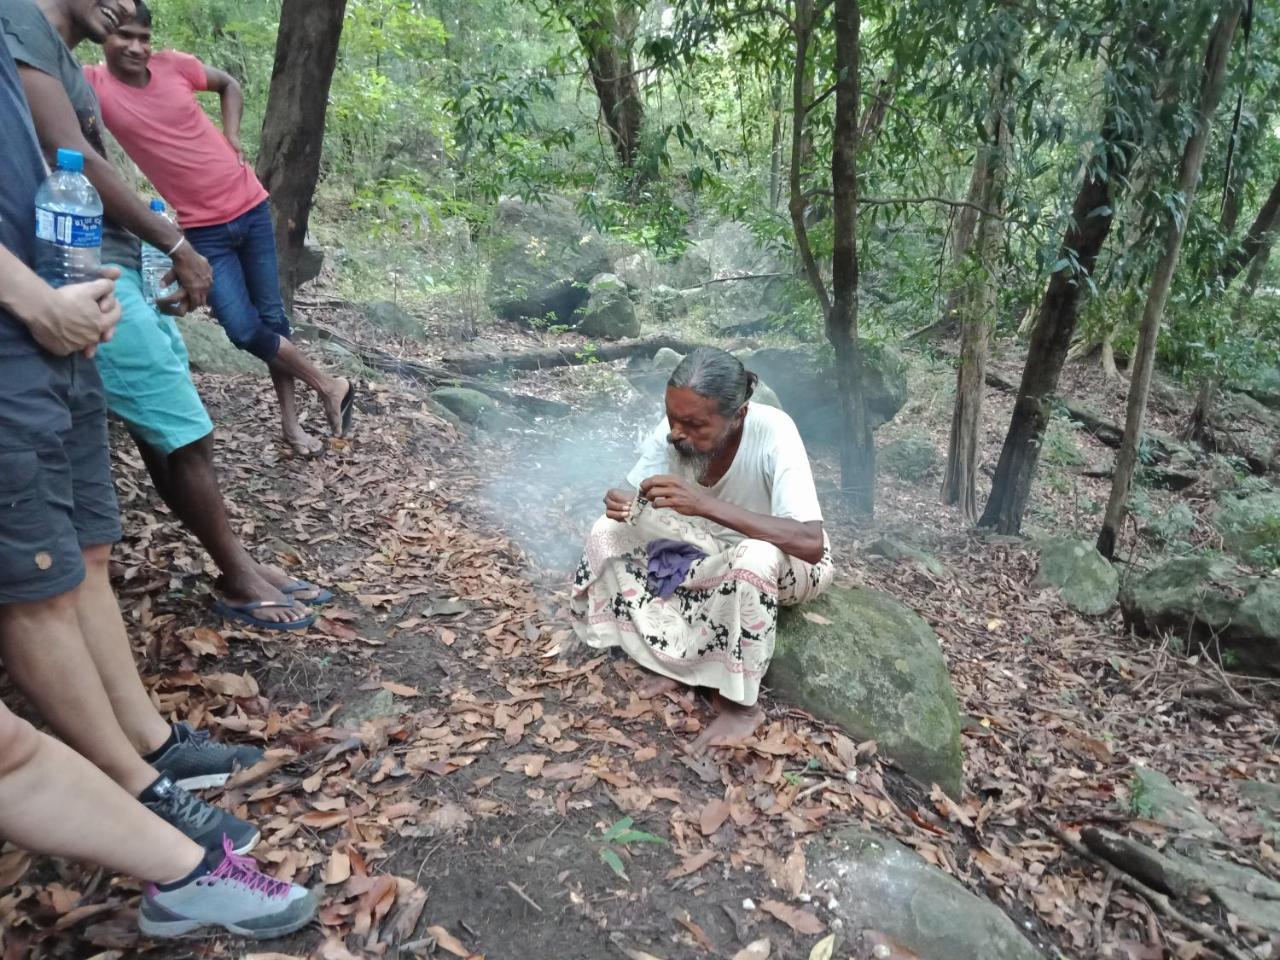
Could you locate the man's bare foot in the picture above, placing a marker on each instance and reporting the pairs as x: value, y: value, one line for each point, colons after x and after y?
x: 653, y: 686
x: 301, y: 442
x: 252, y: 588
x: 733, y: 724
x: 332, y: 396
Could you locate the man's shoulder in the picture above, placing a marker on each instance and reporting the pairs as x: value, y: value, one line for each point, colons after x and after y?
x: 29, y: 34
x: 176, y: 63
x: 772, y: 421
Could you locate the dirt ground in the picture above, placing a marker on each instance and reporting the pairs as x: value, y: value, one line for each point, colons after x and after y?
x: 453, y: 774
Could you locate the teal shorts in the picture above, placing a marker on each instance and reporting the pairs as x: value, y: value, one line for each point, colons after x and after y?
x: 147, y: 375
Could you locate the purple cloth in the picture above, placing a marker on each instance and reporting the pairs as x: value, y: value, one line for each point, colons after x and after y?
x: 669, y: 563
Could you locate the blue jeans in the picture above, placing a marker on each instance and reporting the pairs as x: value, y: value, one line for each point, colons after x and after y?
x: 246, y: 280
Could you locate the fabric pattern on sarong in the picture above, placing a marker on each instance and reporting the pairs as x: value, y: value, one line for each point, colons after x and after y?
x: 718, y: 629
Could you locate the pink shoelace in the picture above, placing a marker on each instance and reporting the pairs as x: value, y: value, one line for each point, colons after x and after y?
x: 244, y: 871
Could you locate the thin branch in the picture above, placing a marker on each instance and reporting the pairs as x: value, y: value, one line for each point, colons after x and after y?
x: 1157, y: 900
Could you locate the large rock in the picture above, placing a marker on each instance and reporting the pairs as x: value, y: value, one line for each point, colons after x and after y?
x: 1087, y: 582
x: 750, y: 278
x: 211, y: 352
x: 1202, y: 598
x: 1250, y: 527
x: 908, y: 458
x: 860, y: 659
x: 608, y: 313
x: 894, y: 549
x: 877, y: 883
x: 1153, y: 796
x: 804, y: 379
x: 543, y: 258
x: 639, y: 271
x: 394, y: 319
x: 475, y: 408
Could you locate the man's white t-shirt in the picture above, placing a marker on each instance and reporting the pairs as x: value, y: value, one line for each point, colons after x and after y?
x: 770, y: 474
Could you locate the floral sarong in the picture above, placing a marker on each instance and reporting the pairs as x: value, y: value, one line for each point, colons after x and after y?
x: 718, y: 629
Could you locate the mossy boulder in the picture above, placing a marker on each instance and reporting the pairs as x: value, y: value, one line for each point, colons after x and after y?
x: 394, y: 319
x: 894, y: 549
x: 1203, y: 599
x: 1087, y: 582
x: 875, y: 883
x: 608, y: 313
x: 1250, y: 527
x: 211, y: 352
x: 908, y: 458
x: 860, y: 659
x: 475, y: 408
x: 542, y: 257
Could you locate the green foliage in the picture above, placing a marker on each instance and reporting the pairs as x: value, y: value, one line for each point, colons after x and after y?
x: 620, y: 837
x: 1060, y: 446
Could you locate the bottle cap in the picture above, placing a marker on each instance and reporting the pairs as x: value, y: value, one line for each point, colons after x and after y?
x: 158, y: 206
x: 71, y: 160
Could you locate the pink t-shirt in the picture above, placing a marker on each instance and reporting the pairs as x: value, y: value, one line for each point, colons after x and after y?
x: 173, y: 141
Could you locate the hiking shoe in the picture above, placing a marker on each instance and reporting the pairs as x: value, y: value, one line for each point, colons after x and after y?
x: 200, y: 821
x: 229, y: 892
x: 195, y: 761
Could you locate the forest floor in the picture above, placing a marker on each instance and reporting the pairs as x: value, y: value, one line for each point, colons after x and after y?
x: 449, y: 769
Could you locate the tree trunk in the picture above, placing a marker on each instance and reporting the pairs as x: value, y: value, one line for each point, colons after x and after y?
x: 966, y: 226
x: 607, y: 34
x: 1212, y: 83
x: 293, y: 129
x: 1054, y: 327
x: 1254, y: 240
x: 977, y: 303
x: 775, y: 148
x: 857, y: 448
x: 1257, y: 267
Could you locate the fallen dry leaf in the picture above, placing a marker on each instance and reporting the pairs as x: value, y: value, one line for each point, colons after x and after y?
x: 447, y: 941
x: 399, y: 689
x: 713, y: 816
x: 693, y: 864
x: 756, y: 950
x: 801, y: 921
x: 338, y: 869
x: 824, y: 948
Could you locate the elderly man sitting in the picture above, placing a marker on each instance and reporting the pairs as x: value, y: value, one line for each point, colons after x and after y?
x: 686, y: 571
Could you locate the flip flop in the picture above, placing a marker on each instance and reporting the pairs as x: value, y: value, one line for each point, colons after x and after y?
x: 348, y: 407
x: 244, y: 613
x: 302, y: 586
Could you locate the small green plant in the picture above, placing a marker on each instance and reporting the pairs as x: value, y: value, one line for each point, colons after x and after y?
x: 619, y: 837
x: 1060, y: 446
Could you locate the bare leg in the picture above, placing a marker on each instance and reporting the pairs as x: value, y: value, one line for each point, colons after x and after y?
x: 187, y: 482
x: 733, y: 724
x: 104, y: 634
x: 302, y: 442
x: 47, y: 659
x: 54, y: 801
x: 293, y: 363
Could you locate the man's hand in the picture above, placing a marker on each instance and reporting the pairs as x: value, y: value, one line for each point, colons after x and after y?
x: 617, y: 505
x: 235, y: 145
x: 666, y: 492
x: 194, y: 274
x: 77, y: 317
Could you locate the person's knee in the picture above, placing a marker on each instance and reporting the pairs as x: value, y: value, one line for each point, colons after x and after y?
x: 255, y: 337
x: 758, y: 556
x: 19, y: 742
x: 603, y: 525
x: 195, y: 452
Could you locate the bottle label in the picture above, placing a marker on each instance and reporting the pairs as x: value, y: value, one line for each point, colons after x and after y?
x: 68, y: 229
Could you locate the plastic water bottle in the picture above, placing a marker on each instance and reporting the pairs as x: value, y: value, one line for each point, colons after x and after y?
x: 68, y: 224
x: 156, y: 264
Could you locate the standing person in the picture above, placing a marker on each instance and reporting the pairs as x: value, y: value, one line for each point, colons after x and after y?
x: 719, y: 527
x: 144, y: 367
x: 149, y: 105
x: 62, y: 638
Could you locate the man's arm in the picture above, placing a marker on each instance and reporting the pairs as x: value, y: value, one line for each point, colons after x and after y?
x: 228, y: 90
x: 65, y: 320
x: 794, y: 538
x: 57, y: 126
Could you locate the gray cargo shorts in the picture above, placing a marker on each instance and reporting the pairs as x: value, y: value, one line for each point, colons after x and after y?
x: 56, y: 495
